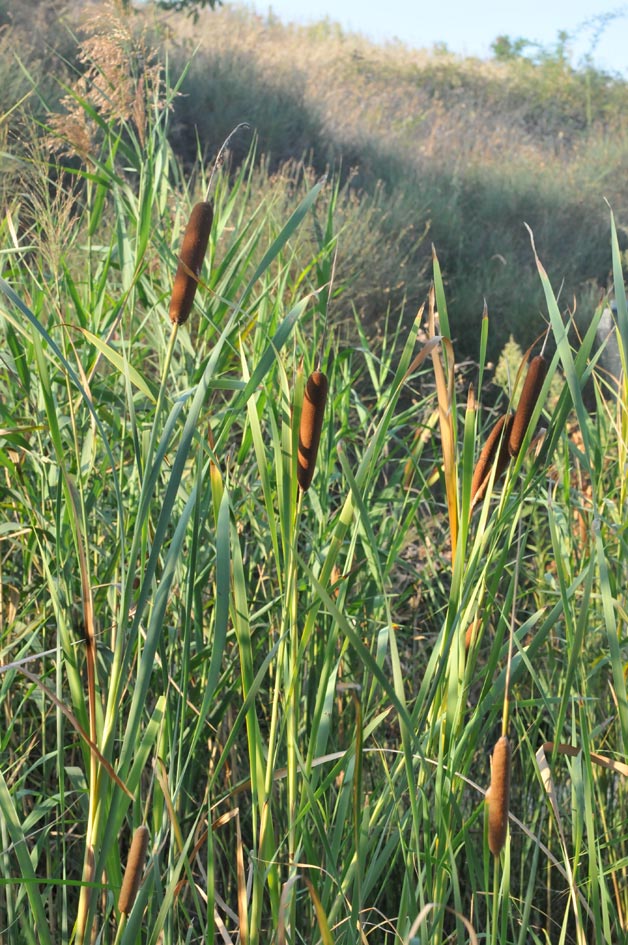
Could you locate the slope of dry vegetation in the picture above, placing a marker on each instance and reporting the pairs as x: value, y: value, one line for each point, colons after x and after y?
x: 468, y: 149
x: 432, y: 149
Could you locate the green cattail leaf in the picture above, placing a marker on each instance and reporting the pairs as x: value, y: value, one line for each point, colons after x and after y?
x: 287, y: 231
x: 321, y: 917
x: 620, y: 298
x: 259, y: 446
x: 221, y: 616
x: 27, y: 870
x: 263, y: 366
x: 120, y: 363
x: 566, y: 357
x: 441, y: 301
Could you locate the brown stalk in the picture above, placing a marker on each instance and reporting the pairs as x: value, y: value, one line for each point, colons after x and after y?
x: 601, y: 760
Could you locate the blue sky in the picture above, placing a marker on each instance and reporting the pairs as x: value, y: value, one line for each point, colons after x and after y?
x: 469, y: 26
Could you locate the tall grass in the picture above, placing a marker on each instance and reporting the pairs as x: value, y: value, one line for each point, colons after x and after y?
x: 274, y: 682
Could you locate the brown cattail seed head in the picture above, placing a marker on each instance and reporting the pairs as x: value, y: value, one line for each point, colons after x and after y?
x: 499, y: 796
x: 471, y: 633
x: 527, y: 402
x: 134, y: 870
x: 310, y: 427
x: 494, y: 452
x: 195, y: 240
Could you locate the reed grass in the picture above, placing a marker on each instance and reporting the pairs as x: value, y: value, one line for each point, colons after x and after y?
x: 277, y: 687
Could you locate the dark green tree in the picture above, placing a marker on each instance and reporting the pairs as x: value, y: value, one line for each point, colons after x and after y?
x: 504, y: 48
x: 190, y: 6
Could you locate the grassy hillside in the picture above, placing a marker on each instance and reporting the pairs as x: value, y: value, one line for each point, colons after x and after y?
x: 432, y: 149
x: 467, y: 149
x: 386, y: 704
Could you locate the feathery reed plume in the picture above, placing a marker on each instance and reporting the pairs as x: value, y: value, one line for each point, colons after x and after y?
x: 498, y: 796
x: 527, y: 402
x: 494, y: 452
x: 195, y: 240
x: 134, y: 870
x: 312, y: 413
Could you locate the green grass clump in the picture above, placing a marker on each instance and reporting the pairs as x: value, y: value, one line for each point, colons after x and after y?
x: 268, y: 685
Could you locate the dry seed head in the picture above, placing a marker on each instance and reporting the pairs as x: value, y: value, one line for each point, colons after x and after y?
x: 134, y: 870
x: 498, y: 796
x: 193, y: 249
x: 527, y: 402
x: 312, y: 413
x: 495, y: 451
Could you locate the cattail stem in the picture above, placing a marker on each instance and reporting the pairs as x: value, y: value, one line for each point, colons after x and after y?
x: 220, y: 157
x: 161, y: 394
x: 495, y: 925
x: 545, y: 340
x: 120, y: 929
x: 506, y: 710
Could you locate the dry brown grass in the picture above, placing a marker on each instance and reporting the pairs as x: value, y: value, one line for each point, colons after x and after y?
x: 120, y: 73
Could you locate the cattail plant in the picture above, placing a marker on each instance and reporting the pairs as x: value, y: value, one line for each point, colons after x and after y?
x: 310, y: 427
x: 134, y: 870
x: 494, y: 453
x: 527, y: 402
x: 195, y: 240
x: 498, y: 796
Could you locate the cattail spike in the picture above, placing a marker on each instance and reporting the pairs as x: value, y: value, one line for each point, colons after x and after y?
x: 193, y: 249
x: 527, y: 402
x: 471, y: 633
x: 498, y: 796
x: 134, y: 870
x: 312, y: 413
x: 494, y: 452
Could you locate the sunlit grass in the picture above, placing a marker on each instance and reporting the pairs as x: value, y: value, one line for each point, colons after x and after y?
x: 278, y: 683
